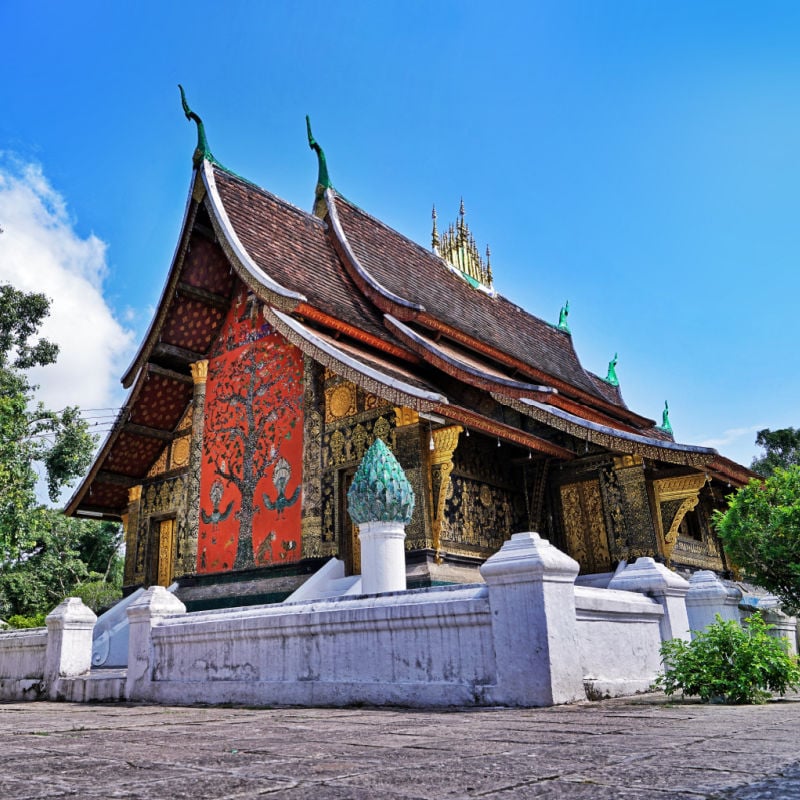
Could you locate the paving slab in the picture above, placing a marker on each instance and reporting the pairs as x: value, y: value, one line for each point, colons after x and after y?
x: 632, y: 749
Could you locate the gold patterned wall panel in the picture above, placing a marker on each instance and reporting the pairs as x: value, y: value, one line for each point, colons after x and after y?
x: 629, y: 519
x: 340, y: 401
x: 584, y: 525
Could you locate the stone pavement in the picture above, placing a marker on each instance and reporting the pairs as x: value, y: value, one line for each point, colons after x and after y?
x: 635, y: 749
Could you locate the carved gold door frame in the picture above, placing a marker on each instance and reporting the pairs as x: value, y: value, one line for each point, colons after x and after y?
x: 349, y: 543
x: 166, y: 551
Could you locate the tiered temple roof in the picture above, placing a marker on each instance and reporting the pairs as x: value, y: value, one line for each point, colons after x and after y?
x: 374, y: 306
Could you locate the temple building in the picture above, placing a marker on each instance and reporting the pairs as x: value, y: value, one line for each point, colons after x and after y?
x: 286, y: 342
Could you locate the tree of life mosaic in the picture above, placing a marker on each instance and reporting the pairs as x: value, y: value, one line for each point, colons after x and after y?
x: 251, y: 474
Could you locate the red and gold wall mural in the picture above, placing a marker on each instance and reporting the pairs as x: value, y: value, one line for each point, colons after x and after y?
x: 251, y: 473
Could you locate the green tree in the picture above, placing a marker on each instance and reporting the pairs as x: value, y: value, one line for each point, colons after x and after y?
x: 761, y: 533
x: 70, y: 557
x: 31, y: 434
x: 781, y: 449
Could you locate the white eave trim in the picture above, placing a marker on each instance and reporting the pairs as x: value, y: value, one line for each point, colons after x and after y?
x: 353, y: 363
x: 430, y: 347
x: 235, y: 243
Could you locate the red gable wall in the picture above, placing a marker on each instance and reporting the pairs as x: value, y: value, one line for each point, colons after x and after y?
x: 251, y: 475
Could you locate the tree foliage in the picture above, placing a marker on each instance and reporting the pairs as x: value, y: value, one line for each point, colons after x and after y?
x: 781, y: 449
x: 44, y: 557
x: 729, y: 663
x: 761, y: 533
x: 31, y: 434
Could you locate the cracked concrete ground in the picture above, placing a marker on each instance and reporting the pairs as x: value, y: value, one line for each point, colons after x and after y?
x: 634, y: 749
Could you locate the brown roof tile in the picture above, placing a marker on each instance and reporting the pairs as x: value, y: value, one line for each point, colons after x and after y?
x: 420, y: 276
x: 292, y: 247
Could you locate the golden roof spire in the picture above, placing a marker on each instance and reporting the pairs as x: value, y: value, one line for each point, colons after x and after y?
x: 434, y: 232
x: 457, y: 246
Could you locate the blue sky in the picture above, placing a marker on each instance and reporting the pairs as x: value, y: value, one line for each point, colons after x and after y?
x: 641, y: 160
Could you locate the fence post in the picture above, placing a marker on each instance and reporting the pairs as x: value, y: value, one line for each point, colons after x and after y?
x: 155, y: 604
x: 666, y: 587
x: 532, y: 599
x: 69, y: 642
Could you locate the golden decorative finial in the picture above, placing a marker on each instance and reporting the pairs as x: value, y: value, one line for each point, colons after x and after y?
x: 434, y: 233
x: 457, y: 246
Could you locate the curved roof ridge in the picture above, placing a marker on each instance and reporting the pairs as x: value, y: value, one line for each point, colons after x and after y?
x: 305, y: 338
x: 692, y: 454
x: 238, y: 249
x: 361, y: 274
x: 432, y: 349
x: 168, y: 289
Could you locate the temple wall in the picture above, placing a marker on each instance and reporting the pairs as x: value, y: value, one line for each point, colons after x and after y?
x: 485, y: 499
x: 346, y: 421
x: 619, y: 641
x: 252, y: 454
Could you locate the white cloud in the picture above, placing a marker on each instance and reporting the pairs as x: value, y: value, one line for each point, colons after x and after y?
x: 730, y: 436
x: 40, y: 250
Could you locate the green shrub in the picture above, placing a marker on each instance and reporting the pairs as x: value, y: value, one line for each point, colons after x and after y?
x: 97, y: 594
x: 22, y: 621
x: 729, y: 663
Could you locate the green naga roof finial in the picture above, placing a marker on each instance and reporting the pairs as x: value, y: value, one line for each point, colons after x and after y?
x: 202, y: 150
x: 323, y: 179
x: 563, y: 325
x: 611, y: 377
x: 665, y: 423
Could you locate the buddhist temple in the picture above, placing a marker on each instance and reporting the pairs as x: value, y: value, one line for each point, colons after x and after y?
x: 286, y: 342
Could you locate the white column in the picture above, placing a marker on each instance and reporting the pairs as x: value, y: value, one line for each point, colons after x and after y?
x: 709, y: 596
x: 383, y: 557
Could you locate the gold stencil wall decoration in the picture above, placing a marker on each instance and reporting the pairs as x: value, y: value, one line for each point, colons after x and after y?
x: 180, y: 452
x: 382, y: 429
x: 160, y: 464
x: 584, y: 526
x: 340, y: 401
x: 405, y: 416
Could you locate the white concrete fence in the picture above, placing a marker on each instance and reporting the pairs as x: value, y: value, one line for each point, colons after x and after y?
x: 527, y: 637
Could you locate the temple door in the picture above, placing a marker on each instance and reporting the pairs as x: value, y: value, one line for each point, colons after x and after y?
x: 584, y: 526
x: 166, y: 551
x: 349, y: 543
